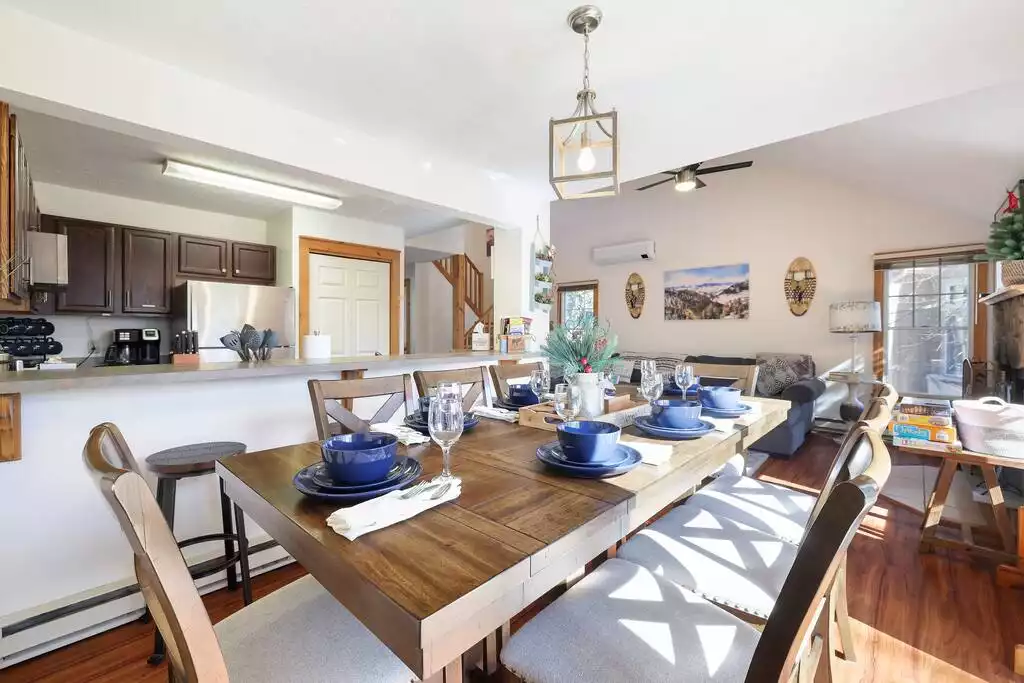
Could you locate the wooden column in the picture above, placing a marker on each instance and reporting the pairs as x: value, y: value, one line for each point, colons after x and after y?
x: 458, y: 302
x: 347, y: 403
x: 10, y: 427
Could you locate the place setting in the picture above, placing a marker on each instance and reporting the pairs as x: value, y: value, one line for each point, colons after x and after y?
x: 364, y: 471
x: 420, y: 420
x: 525, y: 394
x: 585, y: 448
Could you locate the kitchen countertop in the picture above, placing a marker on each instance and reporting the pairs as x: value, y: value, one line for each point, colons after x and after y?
x: 37, y: 381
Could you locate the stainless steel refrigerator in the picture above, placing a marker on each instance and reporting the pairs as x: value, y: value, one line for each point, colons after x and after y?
x: 215, y: 308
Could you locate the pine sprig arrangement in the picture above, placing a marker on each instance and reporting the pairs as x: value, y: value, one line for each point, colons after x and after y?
x: 586, y: 347
x: 1006, y: 238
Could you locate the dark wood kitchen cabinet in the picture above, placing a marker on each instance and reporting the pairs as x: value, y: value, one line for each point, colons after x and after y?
x: 202, y: 256
x: 91, y: 267
x: 253, y: 262
x: 147, y: 274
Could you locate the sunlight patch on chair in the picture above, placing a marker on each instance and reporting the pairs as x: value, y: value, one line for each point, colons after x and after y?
x: 703, y: 520
x: 769, y: 551
x: 722, y: 549
x: 655, y: 634
x: 642, y: 586
x: 716, y: 641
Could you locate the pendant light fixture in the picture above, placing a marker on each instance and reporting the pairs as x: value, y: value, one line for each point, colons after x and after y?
x: 584, y: 148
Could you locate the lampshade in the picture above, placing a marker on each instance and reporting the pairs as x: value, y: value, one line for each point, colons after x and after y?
x: 853, y: 317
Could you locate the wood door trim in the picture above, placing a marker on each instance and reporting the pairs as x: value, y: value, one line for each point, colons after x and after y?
x: 878, y: 338
x: 360, y: 252
x: 982, y: 283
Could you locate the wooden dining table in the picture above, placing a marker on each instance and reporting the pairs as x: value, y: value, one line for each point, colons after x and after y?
x: 441, y: 588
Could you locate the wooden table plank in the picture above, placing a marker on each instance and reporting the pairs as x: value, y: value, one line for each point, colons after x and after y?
x: 433, y: 586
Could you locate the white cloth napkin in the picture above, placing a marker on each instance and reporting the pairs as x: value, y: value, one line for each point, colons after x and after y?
x: 496, y: 413
x: 379, y: 513
x: 652, y: 453
x: 407, y: 436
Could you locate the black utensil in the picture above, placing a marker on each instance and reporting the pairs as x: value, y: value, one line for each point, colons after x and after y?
x: 21, y: 349
x: 37, y: 347
x: 46, y: 327
x: 53, y: 347
x: 32, y: 328
x: 16, y: 329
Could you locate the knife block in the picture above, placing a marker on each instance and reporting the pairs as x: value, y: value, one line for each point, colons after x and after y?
x: 184, y: 359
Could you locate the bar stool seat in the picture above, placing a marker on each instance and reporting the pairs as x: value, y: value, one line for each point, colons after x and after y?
x: 195, y: 460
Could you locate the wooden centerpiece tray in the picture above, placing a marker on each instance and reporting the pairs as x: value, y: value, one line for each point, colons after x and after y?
x: 621, y: 410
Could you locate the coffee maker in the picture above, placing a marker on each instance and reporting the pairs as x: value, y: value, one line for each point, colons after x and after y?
x: 134, y: 346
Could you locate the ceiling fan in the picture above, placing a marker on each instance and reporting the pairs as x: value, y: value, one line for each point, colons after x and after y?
x: 686, y: 178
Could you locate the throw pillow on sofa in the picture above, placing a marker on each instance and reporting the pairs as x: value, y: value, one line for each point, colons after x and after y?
x: 777, y: 372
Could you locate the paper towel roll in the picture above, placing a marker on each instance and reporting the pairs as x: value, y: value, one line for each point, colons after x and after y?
x: 316, y: 346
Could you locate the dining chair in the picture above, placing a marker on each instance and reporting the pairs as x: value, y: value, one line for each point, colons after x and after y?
x: 625, y: 621
x: 333, y: 417
x: 743, y: 565
x: 887, y: 393
x: 297, y: 633
x: 476, y: 378
x: 501, y: 374
x: 744, y: 376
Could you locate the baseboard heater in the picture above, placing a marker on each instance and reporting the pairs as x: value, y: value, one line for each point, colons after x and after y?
x: 103, y: 598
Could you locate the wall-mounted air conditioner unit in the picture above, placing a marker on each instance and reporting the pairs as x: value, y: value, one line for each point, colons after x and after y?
x: 624, y: 253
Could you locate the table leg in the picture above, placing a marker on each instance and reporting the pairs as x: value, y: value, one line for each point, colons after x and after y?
x: 995, y: 494
x: 936, y: 502
x: 1018, y: 660
x: 492, y: 648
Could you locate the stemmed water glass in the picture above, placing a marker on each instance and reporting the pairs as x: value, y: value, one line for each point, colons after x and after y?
x: 448, y: 389
x: 539, y: 383
x: 445, y: 424
x: 651, y: 386
x: 647, y: 368
x: 567, y: 401
x: 685, y: 377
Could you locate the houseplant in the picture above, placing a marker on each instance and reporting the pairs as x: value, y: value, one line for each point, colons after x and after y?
x: 1006, y: 244
x: 583, y: 350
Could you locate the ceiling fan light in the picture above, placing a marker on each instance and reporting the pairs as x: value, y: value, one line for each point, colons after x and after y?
x: 686, y: 180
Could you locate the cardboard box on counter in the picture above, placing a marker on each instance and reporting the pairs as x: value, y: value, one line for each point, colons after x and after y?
x: 924, y: 432
x: 955, y: 447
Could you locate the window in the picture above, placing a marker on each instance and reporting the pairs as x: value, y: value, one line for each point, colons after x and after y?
x: 927, y: 321
x: 576, y: 302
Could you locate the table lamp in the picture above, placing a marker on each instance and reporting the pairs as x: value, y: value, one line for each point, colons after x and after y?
x: 853, y: 318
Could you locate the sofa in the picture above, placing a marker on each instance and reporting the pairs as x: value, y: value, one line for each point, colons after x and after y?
x: 791, y: 377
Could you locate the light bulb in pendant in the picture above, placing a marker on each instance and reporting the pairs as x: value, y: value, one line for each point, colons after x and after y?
x: 586, y: 160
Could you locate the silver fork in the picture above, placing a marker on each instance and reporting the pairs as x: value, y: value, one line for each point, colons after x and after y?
x: 441, y: 491
x: 418, y: 489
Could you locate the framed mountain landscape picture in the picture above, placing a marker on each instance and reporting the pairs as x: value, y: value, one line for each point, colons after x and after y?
x: 710, y: 293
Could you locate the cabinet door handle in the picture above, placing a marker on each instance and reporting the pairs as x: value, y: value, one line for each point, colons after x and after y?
x: 149, y: 305
x: 237, y: 271
x: 127, y: 298
x: 106, y: 300
x: 223, y: 270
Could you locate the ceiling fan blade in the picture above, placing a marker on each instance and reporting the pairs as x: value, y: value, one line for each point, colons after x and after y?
x: 660, y: 182
x: 725, y: 167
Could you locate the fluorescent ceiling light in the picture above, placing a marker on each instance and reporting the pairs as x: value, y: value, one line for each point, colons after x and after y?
x: 230, y: 181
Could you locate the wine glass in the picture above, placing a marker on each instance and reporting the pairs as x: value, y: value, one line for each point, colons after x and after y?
x: 567, y: 401
x: 651, y: 386
x: 685, y: 376
x: 448, y: 390
x: 647, y: 368
x: 445, y: 424
x: 539, y: 383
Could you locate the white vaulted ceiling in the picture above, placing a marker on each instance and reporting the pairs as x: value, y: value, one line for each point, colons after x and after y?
x: 477, y: 81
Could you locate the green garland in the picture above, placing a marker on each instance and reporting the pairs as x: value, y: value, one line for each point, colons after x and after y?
x: 586, y: 347
x: 1006, y: 238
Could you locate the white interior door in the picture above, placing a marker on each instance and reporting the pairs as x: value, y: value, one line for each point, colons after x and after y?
x: 350, y: 300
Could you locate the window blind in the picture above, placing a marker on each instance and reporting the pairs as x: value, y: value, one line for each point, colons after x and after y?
x: 961, y: 253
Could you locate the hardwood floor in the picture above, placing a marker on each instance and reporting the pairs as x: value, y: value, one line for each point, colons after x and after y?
x: 923, y: 618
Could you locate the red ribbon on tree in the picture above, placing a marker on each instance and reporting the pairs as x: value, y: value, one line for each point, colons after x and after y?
x: 1012, y: 203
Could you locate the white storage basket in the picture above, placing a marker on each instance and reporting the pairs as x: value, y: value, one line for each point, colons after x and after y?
x: 991, y: 425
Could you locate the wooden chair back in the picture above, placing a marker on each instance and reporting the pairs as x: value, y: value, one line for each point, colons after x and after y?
x: 476, y: 378
x: 887, y: 393
x: 745, y: 376
x: 853, y: 459
x: 501, y: 374
x: 814, y: 570
x: 332, y: 400
x: 876, y: 416
x: 193, y: 653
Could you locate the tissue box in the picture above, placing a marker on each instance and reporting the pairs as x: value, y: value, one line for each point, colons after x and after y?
x: 481, y: 342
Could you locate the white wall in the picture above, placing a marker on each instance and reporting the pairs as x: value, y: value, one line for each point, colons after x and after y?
x: 431, y: 310
x: 95, y: 206
x: 79, y: 332
x: 762, y: 216
x: 512, y: 261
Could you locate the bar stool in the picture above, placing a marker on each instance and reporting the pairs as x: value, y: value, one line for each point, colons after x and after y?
x: 196, y: 460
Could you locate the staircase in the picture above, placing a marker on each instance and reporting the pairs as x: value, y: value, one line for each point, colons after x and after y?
x: 467, y: 283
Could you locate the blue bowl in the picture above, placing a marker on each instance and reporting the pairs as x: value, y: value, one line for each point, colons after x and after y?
x: 723, y: 398
x: 522, y: 394
x: 676, y: 413
x: 585, y: 441
x: 359, y: 458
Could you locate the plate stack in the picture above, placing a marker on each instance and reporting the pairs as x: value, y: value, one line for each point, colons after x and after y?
x: 357, y: 467
x: 519, y: 396
x: 418, y: 420
x: 590, y: 450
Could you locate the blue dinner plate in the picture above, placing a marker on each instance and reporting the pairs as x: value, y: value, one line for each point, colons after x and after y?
x: 505, y: 405
x: 742, y: 410
x: 554, y: 449
x: 647, y: 425
x: 544, y: 454
x: 306, y: 486
x: 672, y: 390
x: 319, y: 475
x: 416, y: 422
